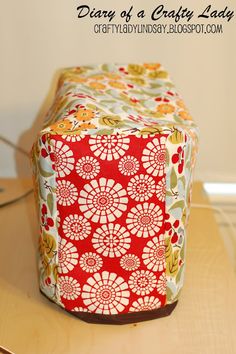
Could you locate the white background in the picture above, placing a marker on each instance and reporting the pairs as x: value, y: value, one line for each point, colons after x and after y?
x: 39, y: 37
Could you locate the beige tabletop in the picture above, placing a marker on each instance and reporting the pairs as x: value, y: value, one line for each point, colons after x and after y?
x: 204, y: 321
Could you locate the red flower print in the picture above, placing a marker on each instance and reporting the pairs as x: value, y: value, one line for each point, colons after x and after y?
x: 46, y: 221
x: 179, y: 158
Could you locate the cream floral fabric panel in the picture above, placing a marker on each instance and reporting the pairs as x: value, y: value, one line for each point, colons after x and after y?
x: 46, y: 195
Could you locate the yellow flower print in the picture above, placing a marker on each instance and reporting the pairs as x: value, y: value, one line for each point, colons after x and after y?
x: 61, y: 126
x: 156, y: 114
x: 85, y: 126
x: 113, y: 76
x: 138, y: 81
x: 158, y: 75
x: 97, y: 85
x: 181, y: 104
x: 79, y: 69
x: 97, y: 77
x: 78, y: 79
x: 150, y: 66
x: 117, y: 84
x: 185, y: 115
x: 165, y: 108
x: 84, y: 114
x: 134, y: 69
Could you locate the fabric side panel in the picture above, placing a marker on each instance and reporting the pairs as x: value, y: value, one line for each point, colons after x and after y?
x: 178, y: 176
x: 47, y: 209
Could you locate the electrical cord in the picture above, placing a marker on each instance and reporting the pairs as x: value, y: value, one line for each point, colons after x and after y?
x: 5, y: 351
x: 14, y: 146
x: 25, y: 153
x: 22, y: 196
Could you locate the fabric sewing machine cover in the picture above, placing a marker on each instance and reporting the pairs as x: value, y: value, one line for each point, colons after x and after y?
x: 112, y: 174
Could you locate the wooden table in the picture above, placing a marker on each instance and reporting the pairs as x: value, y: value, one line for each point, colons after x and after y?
x: 203, y: 322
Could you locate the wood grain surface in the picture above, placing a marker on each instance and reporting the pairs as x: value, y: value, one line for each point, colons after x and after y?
x: 204, y: 321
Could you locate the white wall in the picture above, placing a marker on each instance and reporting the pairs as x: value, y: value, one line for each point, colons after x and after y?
x: 38, y: 37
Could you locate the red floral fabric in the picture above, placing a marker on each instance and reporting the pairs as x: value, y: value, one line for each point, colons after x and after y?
x: 111, y: 213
